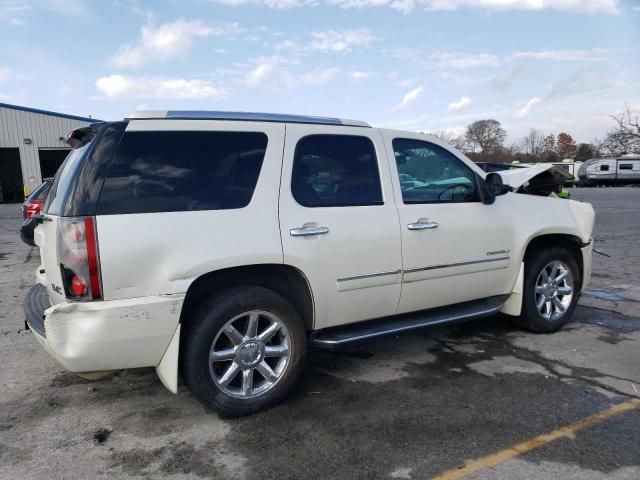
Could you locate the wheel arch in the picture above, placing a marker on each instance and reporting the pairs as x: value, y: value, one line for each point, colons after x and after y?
x: 284, y: 279
x: 573, y: 243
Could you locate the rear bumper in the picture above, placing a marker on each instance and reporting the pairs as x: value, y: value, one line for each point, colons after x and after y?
x: 107, y: 335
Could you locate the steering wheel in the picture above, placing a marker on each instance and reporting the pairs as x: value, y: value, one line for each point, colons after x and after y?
x: 466, y: 188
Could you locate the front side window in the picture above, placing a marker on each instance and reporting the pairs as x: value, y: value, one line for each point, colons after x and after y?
x: 604, y: 168
x: 430, y: 174
x: 335, y: 170
x: 182, y: 171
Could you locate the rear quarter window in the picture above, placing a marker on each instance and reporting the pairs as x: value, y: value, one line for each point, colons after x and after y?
x: 183, y: 171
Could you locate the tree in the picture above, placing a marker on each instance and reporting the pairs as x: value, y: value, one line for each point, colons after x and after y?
x: 549, y: 144
x: 625, y: 138
x: 585, y: 152
x: 456, y: 140
x: 566, y: 146
x: 487, y: 136
x: 533, y: 145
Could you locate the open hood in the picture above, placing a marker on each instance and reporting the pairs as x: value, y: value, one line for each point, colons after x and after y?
x: 540, y: 179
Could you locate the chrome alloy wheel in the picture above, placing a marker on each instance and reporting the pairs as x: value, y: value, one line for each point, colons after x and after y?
x: 246, y: 365
x: 554, y: 290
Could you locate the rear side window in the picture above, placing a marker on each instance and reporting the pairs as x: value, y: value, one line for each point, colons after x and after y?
x: 626, y: 166
x: 335, y: 170
x: 182, y: 171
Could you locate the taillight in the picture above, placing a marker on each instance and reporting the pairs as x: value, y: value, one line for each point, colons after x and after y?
x: 79, y: 259
x: 32, y: 208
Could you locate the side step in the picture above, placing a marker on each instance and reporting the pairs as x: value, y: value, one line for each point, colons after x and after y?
x: 334, y: 337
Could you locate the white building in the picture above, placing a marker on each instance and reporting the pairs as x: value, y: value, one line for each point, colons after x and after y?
x: 32, y: 147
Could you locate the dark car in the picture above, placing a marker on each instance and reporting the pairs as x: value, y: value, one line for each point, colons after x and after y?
x: 32, y: 206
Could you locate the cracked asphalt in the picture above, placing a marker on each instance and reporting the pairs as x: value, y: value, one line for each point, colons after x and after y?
x: 408, y: 407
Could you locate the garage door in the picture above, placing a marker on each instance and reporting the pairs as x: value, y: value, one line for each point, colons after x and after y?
x: 11, y: 189
x: 50, y: 161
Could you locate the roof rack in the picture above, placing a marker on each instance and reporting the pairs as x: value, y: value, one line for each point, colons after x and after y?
x: 242, y: 116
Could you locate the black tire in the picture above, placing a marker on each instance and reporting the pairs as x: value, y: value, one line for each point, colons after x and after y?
x: 530, y: 318
x: 209, y: 319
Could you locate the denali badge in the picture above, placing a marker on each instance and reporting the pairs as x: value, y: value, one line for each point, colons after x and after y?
x: 56, y: 289
x: 498, y: 252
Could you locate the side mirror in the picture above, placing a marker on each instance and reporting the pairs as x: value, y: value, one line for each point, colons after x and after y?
x: 493, y: 187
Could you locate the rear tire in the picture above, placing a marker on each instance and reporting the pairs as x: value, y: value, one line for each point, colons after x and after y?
x: 551, y: 287
x: 245, y: 350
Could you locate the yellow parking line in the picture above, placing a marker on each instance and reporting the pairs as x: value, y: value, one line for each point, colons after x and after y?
x: 502, y: 456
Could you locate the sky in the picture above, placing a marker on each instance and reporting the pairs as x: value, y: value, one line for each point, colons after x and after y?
x: 429, y: 65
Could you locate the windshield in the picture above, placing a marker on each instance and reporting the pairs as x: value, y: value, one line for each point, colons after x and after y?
x: 54, y: 202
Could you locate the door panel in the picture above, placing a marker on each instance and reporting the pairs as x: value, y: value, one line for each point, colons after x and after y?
x: 350, y: 253
x: 454, y: 248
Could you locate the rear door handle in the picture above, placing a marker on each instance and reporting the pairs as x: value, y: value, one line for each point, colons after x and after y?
x: 308, y: 231
x: 423, y: 225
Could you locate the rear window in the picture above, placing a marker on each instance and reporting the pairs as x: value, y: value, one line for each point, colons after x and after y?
x: 183, y: 171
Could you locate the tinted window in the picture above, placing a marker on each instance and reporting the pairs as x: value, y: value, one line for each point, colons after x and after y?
x: 604, y: 168
x: 335, y: 170
x: 430, y: 174
x: 179, y: 171
x: 626, y: 166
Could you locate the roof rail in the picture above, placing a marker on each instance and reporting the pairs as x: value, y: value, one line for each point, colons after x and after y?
x: 242, y: 116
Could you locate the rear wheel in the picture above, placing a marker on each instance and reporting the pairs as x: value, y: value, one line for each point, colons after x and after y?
x: 245, y: 352
x: 551, y: 287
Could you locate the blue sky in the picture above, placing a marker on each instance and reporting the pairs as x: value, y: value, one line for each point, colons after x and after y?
x: 556, y: 65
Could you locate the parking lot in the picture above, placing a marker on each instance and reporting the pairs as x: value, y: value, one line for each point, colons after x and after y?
x: 414, y: 406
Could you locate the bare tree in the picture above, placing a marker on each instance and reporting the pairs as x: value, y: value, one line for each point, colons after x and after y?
x: 533, y: 145
x: 457, y: 141
x: 625, y: 138
x: 487, y: 136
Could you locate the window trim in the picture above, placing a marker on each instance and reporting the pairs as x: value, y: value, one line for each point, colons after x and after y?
x: 476, y: 177
x: 338, y: 204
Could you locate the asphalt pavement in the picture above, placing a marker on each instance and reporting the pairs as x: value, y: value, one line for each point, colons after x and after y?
x: 413, y: 406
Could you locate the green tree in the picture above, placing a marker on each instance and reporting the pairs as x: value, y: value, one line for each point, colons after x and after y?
x: 584, y: 152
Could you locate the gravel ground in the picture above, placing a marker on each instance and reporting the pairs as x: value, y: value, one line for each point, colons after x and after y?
x: 408, y: 407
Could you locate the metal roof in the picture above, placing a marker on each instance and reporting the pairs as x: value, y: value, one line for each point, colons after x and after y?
x: 47, y: 112
x: 243, y: 116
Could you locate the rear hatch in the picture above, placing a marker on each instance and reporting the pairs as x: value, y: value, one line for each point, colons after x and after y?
x: 67, y: 225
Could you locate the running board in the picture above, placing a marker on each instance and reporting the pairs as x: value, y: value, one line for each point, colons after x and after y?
x: 334, y: 337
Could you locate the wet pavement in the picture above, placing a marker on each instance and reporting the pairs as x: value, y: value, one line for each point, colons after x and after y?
x: 408, y: 407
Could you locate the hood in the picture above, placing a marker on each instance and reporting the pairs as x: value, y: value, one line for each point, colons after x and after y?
x: 545, y: 176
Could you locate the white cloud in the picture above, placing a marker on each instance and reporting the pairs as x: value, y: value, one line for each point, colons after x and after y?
x: 358, y: 75
x: 407, y: 6
x: 167, y: 41
x: 636, y: 8
x: 14, y: 12
x: 263, y: 70
x: 340, y: 41
x: 461, y: 104
x: 562, y: 55
x: 319, y: 76
x: 408, y: 99
x: 526, y: 109
x: 4, y: 74
x: 124, y: 87
x: 465, y: 60
x: 337, y: 41
x: 280, y: 4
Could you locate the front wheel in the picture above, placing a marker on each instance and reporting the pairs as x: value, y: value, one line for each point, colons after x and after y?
x: 245, y: 352
x: 551, y: 286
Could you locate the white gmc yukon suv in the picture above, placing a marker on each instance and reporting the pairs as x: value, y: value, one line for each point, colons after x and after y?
x: 221, y: 246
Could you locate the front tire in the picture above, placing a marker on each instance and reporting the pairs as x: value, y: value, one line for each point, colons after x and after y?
x: 551, y: 287
x: 245, y: 351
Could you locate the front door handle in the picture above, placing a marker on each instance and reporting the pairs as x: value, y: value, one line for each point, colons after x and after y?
x: 308, y: 231
x: 422, y: 225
